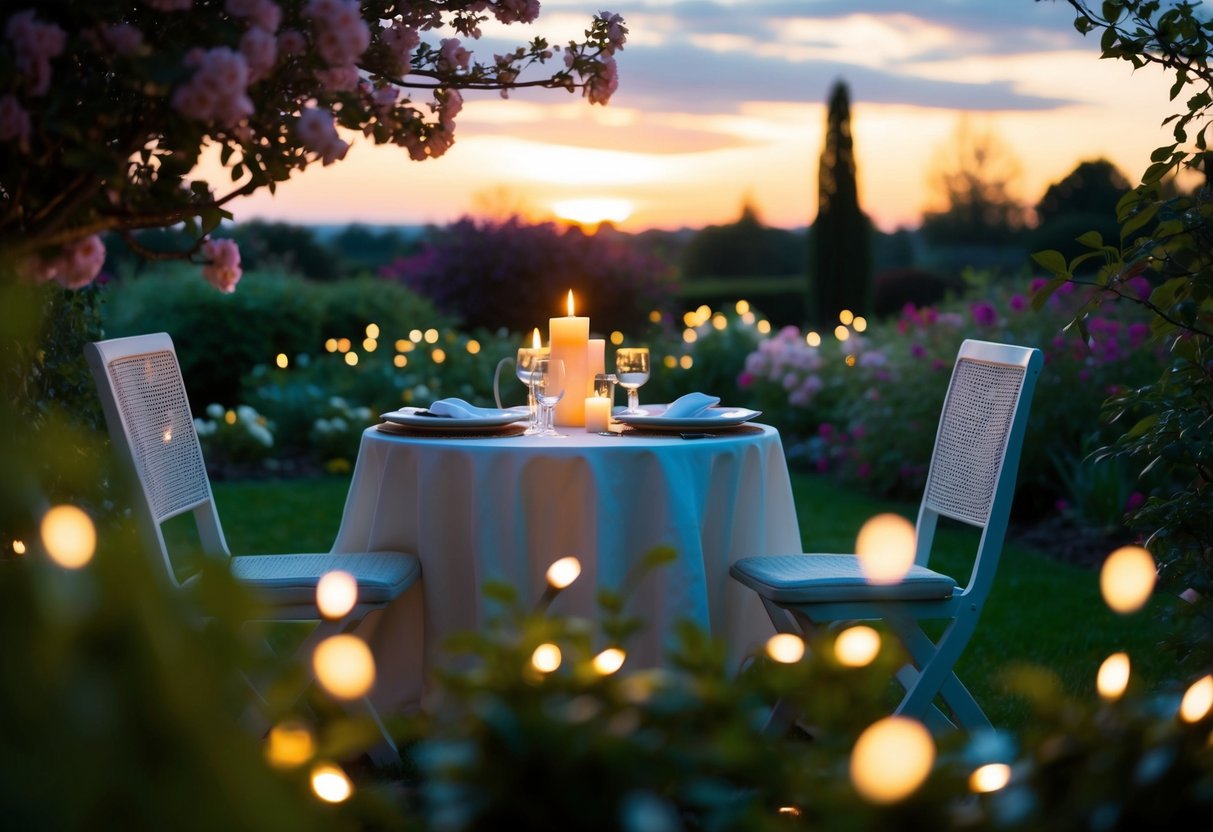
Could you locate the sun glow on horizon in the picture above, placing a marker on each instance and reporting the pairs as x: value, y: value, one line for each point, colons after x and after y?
x: 594, y: 210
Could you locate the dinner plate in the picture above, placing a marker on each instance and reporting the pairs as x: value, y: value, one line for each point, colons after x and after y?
x: 713, y: 417
x: 417, y: 419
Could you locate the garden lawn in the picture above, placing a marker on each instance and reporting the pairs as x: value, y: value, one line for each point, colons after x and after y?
x: 1041, y: 611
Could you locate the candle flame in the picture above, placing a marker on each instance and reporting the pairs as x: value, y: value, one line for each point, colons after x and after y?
x: 535, y: 342
x: 570, y: 303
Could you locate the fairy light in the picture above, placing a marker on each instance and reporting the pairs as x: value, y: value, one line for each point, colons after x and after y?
x: 857, y: 646
x: 690, y: 319
x: 860, y: 323
x: 431, y: 336
x: 69, y: 536
x: 438, y: 355
x: 289, y: 745
x: 330, y: 345
x: 748, y: 318
x: 989, y: 778
x: 885, y: 548
x: 400, y: 361
x: 351, y: 359
x: 473, y: 346
x: 764, y: 326
x: 616, y: 338
x: 563, y: 572
x: 415, y: 335
x: 845, y: 317
x: 841, y: 333
x: 785, y: 648
x: 336, y: 594
x: 372, y: 330
x: 813, y: 339
x: 654, y: 317
x: 230, y: 417
x: 282, y: 361
x: 369, y: 344
x: 1113, y: 676
x: 742, y: 307
x: 18, y: 547
x: 609, y: 661
x: 891, y: 759
x: 1127, y: 578
x: 849, y: 360
x: 686, y: 362
x: 1197, y: 701
x: 344, y: 666
x: 719, y: 321
x: 401, y: 345
x: 331, y: 784
x: 670, y: 362
x: 546, y: 658
x: 690, y: 336
x: 344, y: 345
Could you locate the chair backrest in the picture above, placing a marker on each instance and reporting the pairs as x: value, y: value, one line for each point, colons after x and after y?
x: 977, y: 447
x: 151, y: 426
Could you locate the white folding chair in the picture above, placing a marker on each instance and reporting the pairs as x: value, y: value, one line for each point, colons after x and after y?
x: 150, y: 424
x: 971, y: 479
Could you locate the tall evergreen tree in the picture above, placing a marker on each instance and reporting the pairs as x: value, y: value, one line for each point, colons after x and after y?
x: 840, y: 258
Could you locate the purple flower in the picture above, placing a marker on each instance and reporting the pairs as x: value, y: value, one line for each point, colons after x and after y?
x: 1134, y: 502
x: 1018, y: 303
x: 917, y: 350
x: 984, y: 313
x: 745, y: 380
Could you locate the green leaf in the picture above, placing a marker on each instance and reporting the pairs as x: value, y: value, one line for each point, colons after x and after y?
x: 1142, y: 426
x: 1137, y: 220
x: 1091, y: 239
x: 1052, y: 261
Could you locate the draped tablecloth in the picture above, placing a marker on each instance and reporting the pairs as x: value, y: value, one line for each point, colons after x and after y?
x: 505, y: 508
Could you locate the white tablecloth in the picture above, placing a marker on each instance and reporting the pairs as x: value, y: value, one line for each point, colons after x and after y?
x: 505, y: 508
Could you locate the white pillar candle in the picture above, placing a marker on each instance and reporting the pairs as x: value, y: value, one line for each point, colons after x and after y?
x: 595, y: 362
x: 569, y: 339
x: 597, y: 413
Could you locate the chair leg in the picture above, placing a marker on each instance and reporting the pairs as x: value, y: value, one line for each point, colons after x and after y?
x: 935, y: 675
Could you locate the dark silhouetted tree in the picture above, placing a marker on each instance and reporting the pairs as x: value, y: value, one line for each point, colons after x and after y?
x: 840, y: 259
x: 1084, y: 201
x: 746, y: 248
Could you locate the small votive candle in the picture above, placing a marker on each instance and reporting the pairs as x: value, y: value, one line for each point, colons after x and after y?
x: 597, y: 414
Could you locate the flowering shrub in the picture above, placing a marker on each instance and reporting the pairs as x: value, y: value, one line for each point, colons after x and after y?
x: 237, y: 436
x: 868, y: 407
x: 337, y: 430
x: 106, y: 107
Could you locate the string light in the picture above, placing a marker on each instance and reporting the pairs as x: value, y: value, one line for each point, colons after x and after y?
x: 885, y: 548
x: 891, y: 759
x: 785, y: 648
x: 563, y: 572
x: 69, y: 536
x: 1127, y: 578
x: 344, y: 666
x: 857, y: 646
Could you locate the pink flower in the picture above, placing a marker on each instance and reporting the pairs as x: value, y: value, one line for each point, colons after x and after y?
x: 340, y: 33
x: 984, y: 313
x: 1037, y: 284
x: 449, y: 105
x: 516, y: 11
x: 291, y: 42
x: 603, y: 83
x: 917, y: 350
x: 1018, y: 303
x: 1140, y: 287
x: 14, y: 121
x: 452, y: 56
x: 263, y: 14
x: 1135, y: 501
x: 401, y: 40
x: 338, y: 78
x: 223, y: 269
x: 316, y: 130
x: 616, y: 33
x: 260, y: 50
x: 34, y: 44
x: 745, y: 380
x: 80, y: 262
x: 218, y: 89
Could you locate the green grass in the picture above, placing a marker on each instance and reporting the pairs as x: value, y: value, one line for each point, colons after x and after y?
x: 1040, y: 612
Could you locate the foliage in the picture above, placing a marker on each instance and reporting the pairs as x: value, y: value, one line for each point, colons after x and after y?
x: 219, y: 337
x: 514, y: 275
x: 108, y: 107
x: 284, y: 247
x: 1084, y: 200
x: 840, y: 276
x: 743, y: 249
x: 236, y: 436
x: 896, y: 287
x: 1164, y: 240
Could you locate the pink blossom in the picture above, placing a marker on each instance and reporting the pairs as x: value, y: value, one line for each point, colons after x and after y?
x: 340, y: 33
x: 316, y: 130
x: 291, y: 42
x: 223, y: 267
x: 401, y: 40
x: 984, y: 313
x: 14, y: 121
x: 1140, y: 287
x: 217, y: 90
x: 34, y: 44
x: 263, y: 14
x: 169, y: 5
x: 260, y: 50
x: 452, y: 56
x: 745, y: 380
x: 338, y: 78
x: 1018, y: 303
x: 449, y: 104
x: 123, y: 38
x: 385, y: 97
x: 1138, y: 333
x: 516, y: 11
x: 602, y: 85
x: 616, y: 33
x: 1037, y: 284
x: 80, y: 262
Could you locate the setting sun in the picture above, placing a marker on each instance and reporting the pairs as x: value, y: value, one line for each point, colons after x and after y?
x: 591, y: 211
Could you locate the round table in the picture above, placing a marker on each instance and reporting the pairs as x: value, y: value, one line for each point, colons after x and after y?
x: 504, y: 508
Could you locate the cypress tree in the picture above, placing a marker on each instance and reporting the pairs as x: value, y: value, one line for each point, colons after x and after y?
x: 840, y: 256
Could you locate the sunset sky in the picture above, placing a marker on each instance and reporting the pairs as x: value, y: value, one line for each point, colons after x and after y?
x: 723, y: 102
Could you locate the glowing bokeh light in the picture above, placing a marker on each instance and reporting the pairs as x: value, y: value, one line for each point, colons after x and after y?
x: 18, y: 547
x: 330, y: 345
x: 990, y: 778
x: 742, y: 307
x: 344, y: 345
x: 785, y: 648
x: 593, y: 210
x: 344, y: 666
x: 846, y: 316
x: 841, y: 333
x: 686, y: 362
x: 1113, y: 676
x: 885, y: 548
x: 563, y: 572
x: 372, y: 330
x: 290, y: 744
x: 1197, y: 701
x: 400, y: 361
x: 431, y: 336
x: 1127, y: 578
x: 764, y: 327
x: 369, y: 344
x: 546, y: 658
x: 69, y: 536
x: 891, y: 759
x: 860, y: 323
x: 609, y: 661
x: 282, y: 361
x: 351, y: 359
x: 473, y: 346
x: 438, y: 355
x: 857, y: 646
x: 616, y: 338
x: 415, y: 335
x: 331, y: 784
x: 336, y: 594
x: 813, y: 339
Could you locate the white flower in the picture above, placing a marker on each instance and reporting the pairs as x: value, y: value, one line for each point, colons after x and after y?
x: 215, y: 411
x: 261, y: 434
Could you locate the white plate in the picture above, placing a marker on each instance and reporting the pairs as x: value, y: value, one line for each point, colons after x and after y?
x: 714, y: 417
x: 414, y: 418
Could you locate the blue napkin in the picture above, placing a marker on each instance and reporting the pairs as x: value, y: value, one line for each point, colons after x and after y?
x: 454, y: 408
x: 690, y: 405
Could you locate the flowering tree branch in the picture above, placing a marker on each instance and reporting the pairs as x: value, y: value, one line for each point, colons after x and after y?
x: 107, y: 108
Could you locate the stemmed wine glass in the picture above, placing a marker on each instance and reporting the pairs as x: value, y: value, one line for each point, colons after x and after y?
x: 632, y: 369
x: 524, y: 368
x: 548, y: 382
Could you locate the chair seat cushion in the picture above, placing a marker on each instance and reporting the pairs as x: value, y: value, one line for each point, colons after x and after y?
x: 292, y: 579
x: 791, y: 579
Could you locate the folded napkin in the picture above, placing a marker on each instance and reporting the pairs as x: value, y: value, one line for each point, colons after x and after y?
x: 454, y: 408
x: 692, y: 404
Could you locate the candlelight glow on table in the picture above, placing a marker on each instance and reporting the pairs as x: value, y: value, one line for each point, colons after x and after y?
x: 569, y: 337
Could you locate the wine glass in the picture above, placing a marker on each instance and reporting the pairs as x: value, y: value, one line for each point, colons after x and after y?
x: 524, y: 368
x: 548, y: 381
x: 632, y: 369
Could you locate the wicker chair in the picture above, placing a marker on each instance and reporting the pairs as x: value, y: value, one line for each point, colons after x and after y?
x: 972, y: 480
